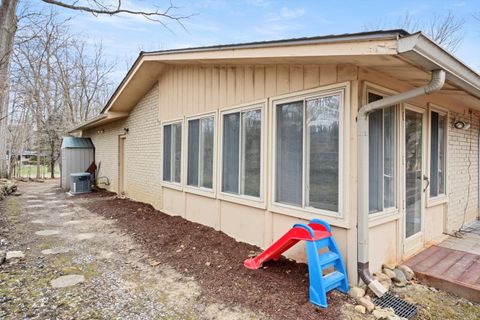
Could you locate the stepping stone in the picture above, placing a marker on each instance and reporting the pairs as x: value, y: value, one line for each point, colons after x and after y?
x: 55, y: 251
x: 67, y: 281
x: 74, y: 222
x: 50, y: 193
x: 85, y: 236
x: 38, y: 221
x: 35, y: 206
x: 47, y: 232
x: 34, y: 200
x: 66, y: 214
x: 14, y: 255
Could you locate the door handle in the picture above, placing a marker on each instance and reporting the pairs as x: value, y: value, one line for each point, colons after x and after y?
x: 425, y: 178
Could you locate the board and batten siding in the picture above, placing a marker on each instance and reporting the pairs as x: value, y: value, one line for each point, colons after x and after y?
x: 186, y: 90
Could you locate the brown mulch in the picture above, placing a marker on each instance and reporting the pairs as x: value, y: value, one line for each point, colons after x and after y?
x: 215, y: 260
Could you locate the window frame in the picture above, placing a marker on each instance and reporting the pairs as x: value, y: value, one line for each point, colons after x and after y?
x: 207, y: 192
x: 241, y: 198
x: 302, y: 211
x: 440, y: 198
x: 173, y: 184
x: 392, y: 212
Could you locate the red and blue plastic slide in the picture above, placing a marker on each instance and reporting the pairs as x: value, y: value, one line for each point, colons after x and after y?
x: 318, y: 235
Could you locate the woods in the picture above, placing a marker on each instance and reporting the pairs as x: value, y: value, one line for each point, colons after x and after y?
x: 51, y: 78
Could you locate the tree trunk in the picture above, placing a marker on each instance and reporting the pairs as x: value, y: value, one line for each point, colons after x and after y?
x: 8, y: 27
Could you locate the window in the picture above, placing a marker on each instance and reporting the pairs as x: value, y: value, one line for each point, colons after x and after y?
x: 381, y: 155
x: 438, y: 126
x: 241, y: 158
x: 172, y: 152
x: 200, y: 152
x: 307, y: 152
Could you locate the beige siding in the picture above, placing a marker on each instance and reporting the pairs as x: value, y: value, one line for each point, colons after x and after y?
x: 187, y: 90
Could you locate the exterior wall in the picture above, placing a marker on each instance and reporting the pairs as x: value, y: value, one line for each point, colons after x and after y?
x: 463, y: 177
x: 191, y: 89
x: 188, y: 90
x: 387, y: 243
x: 143, y: 156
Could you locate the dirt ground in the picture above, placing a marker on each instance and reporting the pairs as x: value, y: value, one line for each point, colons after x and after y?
x: 139, y: 263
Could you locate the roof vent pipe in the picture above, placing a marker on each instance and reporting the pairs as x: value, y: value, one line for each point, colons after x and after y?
x: 436, y: 83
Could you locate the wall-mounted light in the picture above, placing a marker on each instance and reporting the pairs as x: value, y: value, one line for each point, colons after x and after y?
x: 462, y: 125
x: 126, y: 130
x: 101, y: 131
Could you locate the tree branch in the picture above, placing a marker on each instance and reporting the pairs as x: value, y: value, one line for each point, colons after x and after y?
x: 101, y: 9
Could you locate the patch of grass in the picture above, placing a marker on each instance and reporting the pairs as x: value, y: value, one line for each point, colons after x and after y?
x: 439, y: 304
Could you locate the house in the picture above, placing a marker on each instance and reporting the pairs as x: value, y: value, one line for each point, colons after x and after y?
x: 375, y: 133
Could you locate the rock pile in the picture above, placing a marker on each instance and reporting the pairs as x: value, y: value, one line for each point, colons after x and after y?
x: 399, y: 276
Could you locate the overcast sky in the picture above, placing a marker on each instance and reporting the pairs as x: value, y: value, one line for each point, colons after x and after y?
x: 222, y: 21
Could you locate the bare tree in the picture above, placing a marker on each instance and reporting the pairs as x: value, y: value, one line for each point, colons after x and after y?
x: 8, y: 28
x: 445, y: 29
x: 59, y: 82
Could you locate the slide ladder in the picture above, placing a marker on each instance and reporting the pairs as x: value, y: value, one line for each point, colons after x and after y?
x: 325, y: 264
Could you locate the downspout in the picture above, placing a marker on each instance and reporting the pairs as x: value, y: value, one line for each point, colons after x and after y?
x: 436, y: 83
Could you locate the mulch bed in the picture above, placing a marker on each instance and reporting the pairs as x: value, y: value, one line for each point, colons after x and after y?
x: 215, y: 260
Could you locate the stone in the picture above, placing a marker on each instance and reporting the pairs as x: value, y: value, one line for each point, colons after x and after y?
x: 208, y: 264
x: 3, y: 256
x: 360, y: 309
x: 67, y: 281
x: 409, y: 274
x: 389, y: 273
x: 394, y: 317
x: 154, y: 263
x: 38, y: 221
x: 55, y: 251
x: 388, y: 266
x: 399, y: 276
x: 356, y: 292
x: 366, y: 303
x: 85, y: 236
x: 47, y: 232
x: 383, y: 279
x: 14, y: 255
x: 383, y: 313
x: 66, y: 214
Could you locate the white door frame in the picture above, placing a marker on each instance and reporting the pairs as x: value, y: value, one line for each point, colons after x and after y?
x: 415, y: 242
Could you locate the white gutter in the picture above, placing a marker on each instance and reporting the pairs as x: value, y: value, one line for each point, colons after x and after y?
x: 436, y: 83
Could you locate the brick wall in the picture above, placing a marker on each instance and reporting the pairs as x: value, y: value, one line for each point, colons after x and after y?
x: 462, y: 167
x: 142, y: 151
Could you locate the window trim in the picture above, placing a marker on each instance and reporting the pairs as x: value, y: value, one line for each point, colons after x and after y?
x: 441, y: 198
x: 211, y: 193
x: 173, y: 184
x: 258, y: 202
x: 306, y: 212
x: 369, y: 87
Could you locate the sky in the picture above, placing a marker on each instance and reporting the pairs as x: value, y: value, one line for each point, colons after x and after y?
x: 221, y: 22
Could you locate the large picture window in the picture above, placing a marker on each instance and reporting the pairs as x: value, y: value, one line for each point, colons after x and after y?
x: 201, y: 152
x: 307, y: 152
x: 381, y: 155
x: 438, y: 127
x: 172, y: 152
x: 241, y: 157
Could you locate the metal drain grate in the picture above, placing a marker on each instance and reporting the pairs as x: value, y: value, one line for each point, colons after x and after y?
x: 402, y: 308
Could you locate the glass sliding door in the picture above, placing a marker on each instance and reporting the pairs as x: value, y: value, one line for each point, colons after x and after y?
x: 413, y: 172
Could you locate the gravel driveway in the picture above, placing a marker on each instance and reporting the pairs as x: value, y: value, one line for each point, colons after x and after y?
x: 78, y: 265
